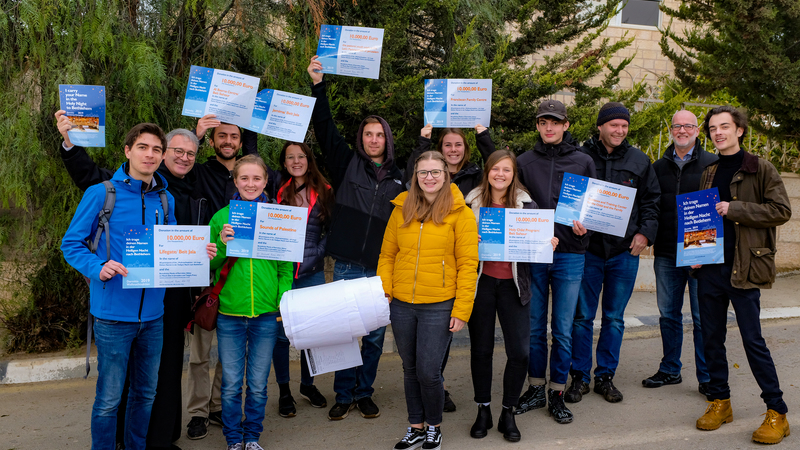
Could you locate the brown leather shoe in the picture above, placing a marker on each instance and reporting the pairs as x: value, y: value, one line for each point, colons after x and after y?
x: 717, y: 413
x: 773, y: 430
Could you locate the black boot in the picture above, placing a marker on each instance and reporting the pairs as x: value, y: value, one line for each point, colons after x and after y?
x: 508, y: 426
x: 557, y: 408
x: 286, y: 401
x: 482, y: 423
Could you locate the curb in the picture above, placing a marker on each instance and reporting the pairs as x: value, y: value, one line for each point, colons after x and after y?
x: 71, y: 367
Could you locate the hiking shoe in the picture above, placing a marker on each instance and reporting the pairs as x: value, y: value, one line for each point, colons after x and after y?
x: 197, y: 428
x: 508, y: 426
x: 414, y: 438
x: 773, y: 430
x: 313, y: 395
x: 557, y: 408
x: 483, y: 422
x: 449, y: 406
x: 215, y: 418
x: 703, y: 389
x: 340, y: 411
x: 576, y: 390
x: 661, y: 379
x: 253, y: 446
x: 605, y: 387
x: 433, y: 438
x: 533, y: 398
x: 286, y: 406
x: 717, y: 413
x: 236, y: 446
x: 368, y: 408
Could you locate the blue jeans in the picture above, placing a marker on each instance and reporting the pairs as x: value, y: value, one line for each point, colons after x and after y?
x: 670, y: 285
x: 240, y: 340
x: 422, y: 334
x: 119, y: 345
x: 280, y: 356
x: 356, y: 383
x: 616, y: 277
x: 564, y: 275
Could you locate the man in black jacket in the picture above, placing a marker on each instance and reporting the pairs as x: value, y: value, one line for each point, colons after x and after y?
x: 542, y: 170
x: 612, y: 262
x: 678, y: 172
x: 365, y: 182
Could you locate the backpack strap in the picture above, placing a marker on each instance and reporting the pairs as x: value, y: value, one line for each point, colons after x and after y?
x: 102, y: 227
x: 164, y: 205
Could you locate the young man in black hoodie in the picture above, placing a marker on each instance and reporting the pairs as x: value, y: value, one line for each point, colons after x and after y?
x: 365, y: 182
x: 612, y: 262
x: 678, y: 172
x: 542, y: 170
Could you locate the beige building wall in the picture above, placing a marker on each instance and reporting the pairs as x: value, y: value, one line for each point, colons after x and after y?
x: 648, y: 62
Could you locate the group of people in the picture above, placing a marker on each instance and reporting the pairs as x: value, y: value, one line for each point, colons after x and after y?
x: 417, y: 230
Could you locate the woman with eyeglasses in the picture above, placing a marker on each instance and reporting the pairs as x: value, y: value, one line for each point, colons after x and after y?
x: 504, y: 291
x: 428, y: 266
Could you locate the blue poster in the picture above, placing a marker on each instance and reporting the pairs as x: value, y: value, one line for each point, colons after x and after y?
x: 351, y: 51
x: 166, y: 256
x: 570, y: 200
x: 242, y: 217
x: 700, y: 230
x: 458, y: 103
x: 139, y: 257
x: 521, y: 235
x: 86, y: 109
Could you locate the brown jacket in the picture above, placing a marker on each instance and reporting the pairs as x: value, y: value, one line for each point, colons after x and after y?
x: 759, y: 203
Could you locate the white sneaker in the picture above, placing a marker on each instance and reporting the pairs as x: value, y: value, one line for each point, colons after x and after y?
x: 236, y: 446
x: 253, y: 446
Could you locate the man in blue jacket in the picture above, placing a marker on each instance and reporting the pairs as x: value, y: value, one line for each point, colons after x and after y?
x: 127, y: 321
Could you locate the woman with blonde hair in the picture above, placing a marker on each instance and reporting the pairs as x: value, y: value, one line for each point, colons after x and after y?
x: 428, y: 266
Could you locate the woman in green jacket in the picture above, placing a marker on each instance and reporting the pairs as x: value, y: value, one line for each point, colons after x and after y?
x: 247, y: 325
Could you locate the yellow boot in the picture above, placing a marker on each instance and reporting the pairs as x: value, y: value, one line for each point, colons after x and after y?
x: 773, y: 430
x: 717, y: 413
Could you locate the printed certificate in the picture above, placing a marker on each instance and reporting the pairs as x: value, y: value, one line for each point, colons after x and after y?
x: 229, y: 95
x: 458, y: 103
x: 267, y: 231
x: 166, y: 256
x: 522, y: 235
x: 282, y: 115
x: 700, y: 230
x: 351, y: 51
x: 333, y: 357
x: 86, y: 109
x: 599, y: 205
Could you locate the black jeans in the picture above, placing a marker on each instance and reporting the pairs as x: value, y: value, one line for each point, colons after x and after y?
x: 715, y: 292
x: 422, y: 335
x: 499, y: 298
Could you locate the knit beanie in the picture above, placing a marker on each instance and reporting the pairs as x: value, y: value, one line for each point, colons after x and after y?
x: 611, y: 111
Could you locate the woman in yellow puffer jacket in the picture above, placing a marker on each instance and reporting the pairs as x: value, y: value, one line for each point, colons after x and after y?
x: 428, y: 266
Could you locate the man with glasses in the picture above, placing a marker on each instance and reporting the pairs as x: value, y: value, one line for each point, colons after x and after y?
x: 678, y: 172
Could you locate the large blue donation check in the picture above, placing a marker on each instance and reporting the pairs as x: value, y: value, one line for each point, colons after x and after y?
x: 351, y: 51
x: 165, y: 256
x: 700, y: 230
x: 457, y: 103
x: 86, y: 108
x: 282, y: 115
x: 521, y: 235
x: 599, y: 205
x: 229, y: 95
x: 267, y: 231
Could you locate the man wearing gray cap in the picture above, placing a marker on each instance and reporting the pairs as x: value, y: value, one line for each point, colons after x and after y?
x: 612, y: 262
x: 542, y: 170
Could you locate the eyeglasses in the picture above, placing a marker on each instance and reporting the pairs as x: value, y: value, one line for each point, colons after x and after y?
x: 435, y: 173
x: 677, y: 127
x: 179, y: 152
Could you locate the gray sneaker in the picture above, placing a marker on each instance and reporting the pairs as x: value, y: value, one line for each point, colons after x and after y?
x: 236, y: 446
x: 252, y: 446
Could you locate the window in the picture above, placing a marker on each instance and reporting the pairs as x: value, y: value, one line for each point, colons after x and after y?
x: 638, y: 13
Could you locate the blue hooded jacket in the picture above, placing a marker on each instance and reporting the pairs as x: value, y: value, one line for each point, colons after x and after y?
x: 133, y: 206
